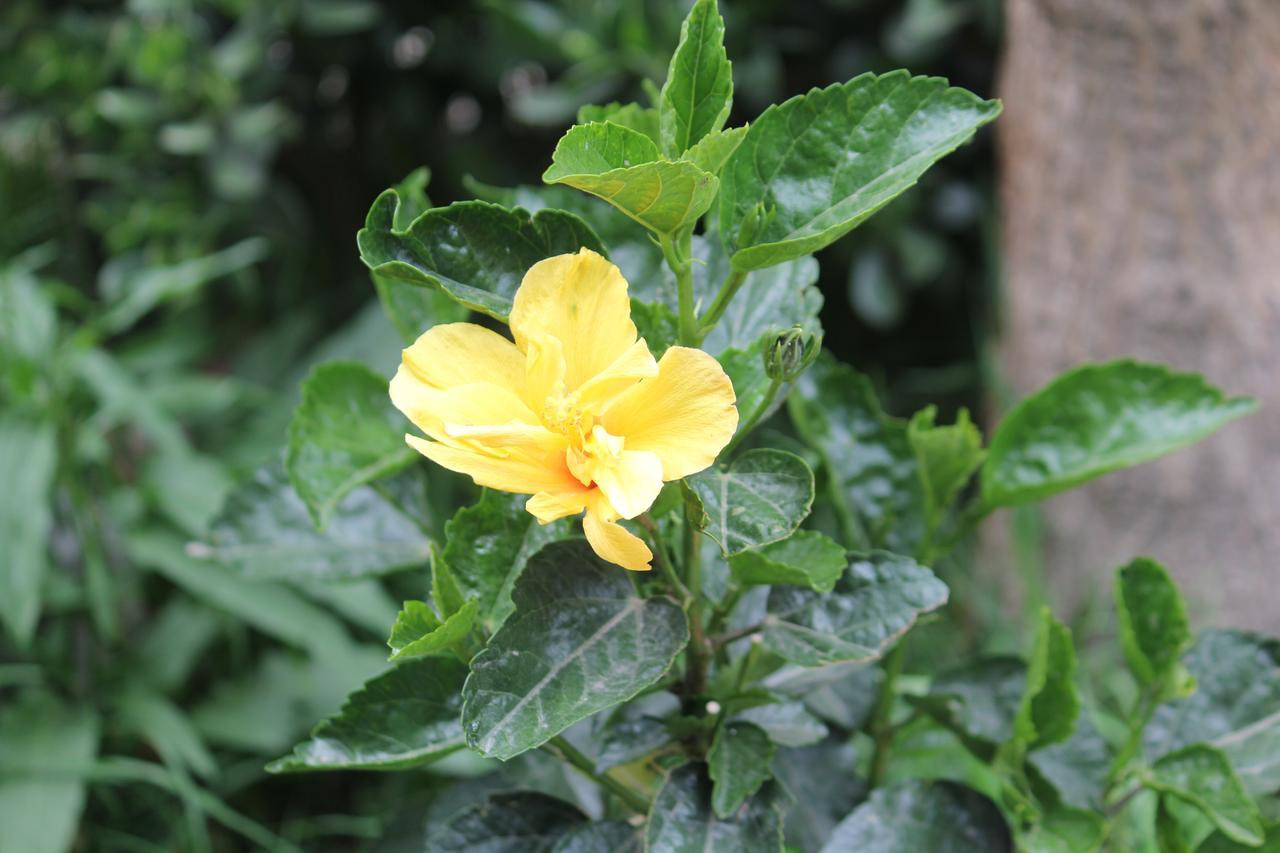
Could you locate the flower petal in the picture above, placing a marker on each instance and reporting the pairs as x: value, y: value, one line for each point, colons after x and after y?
x: 685, y: 414
x: 462, y: 354
x: 613, y: 542
x: 473, y: 404
x: 631, y: 482
x: 582, y: 301
x: 515, y: 471
x: 635, y: 363
x: 544, y: 370
x: 547, y: 507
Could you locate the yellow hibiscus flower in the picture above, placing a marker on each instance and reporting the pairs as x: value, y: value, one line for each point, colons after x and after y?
x: 575, y: 412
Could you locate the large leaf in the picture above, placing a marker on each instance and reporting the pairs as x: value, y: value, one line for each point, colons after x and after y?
x: 1047, y: 713
x: 44, y: 749
x: 681, y: 819
x: 1201, y: 775
x: 265, y: 531
x: 738, y: 763
x: 827, y: 160
x: 580, y: 641
x: 1099, y: 418
x: 696, y: 98
x: 418, y: 631
x: 409, y: 715
x: 761, y: 497
x: 474, y: 251
x: 940, y: 817
x: 517, y: 822
x: 1154, y: 628
x: 29, y: 458
x: 876, y: 600
x: 823, y: 784
x: 614, y: 836
x: 344, y: 434
x: 806, y: 558
x: 487, y: 546
x: 623, y: 167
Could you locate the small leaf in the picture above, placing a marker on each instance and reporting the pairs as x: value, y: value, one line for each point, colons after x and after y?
x: 946, y: 457
x: 827, y: 160
x: 28, y: 455
x: 633, y: 116
x: 696, y: 98
x: 714, y: 150
x: 579, y: 641
x: 418, y: 631
x: 445, y: 594
x: 876, y: 600
x: 1047, y: 713
x: 1201, y: 775
x: 738, y: 763
x: 1154, y: 629
x: 406, y: 717
x: 806, y: 558
x: 915, y: 816
x: 1099, y: 418
x: 516, y: 822
x: 474, y: 251
x: 761, y: 497
x: 681, y: 819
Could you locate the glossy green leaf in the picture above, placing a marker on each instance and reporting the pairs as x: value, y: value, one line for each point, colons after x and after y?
x: 344, y: 433
x: 946, y: 457
x: 633, y: 116
x: 624, y: 167
x: 474, y: 251
x: 412, y: 191
x: 39, y: 809
x: 1201, y: 775
x: 823, y: 786
x: 265, y: 531
x: 738, y: 763
x: 786, y: 723
x: 761, y: 497
x: 1153, y: 623
x: 1047, y: 713
x: 879, y: 596
x: 681, y: 819
x: 487, y: 546
x: 418, y: 631
x: 405, y: 717
x: 28, y: 455
x: 806, y: 558
x: 714, y: 150
x: 614, y: 836
x: 580, y: 641
x: 631, y: 735
x: 914, y: 816
x: 827, y: 160
x: 516, y: 822
x: 696, y: 98
x: 1099, y: 418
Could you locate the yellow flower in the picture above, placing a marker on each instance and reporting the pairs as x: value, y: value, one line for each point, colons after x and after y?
x: 575, y: 412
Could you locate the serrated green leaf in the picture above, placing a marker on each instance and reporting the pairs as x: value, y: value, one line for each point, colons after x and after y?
x: 1153, y: 623
x: 827, y: 160
x: 579, y: 641
x: 641, y: 119
x: 714, y: 150
x: 488, y: 545
x: 516, y: 822
x: 806, y: 558
x: 696, y: 98
x: 418, y: 631
x: 406, y: 717
x: 761, y: 497
x: 1201, y: 775
x: 681, y: 819
x: 1099, y: 418
x: 1047, y: 713
x: 474, y: 251
x: 344, y: 433
x: 738, y: 764
x: 946, y: 457
x: 614, y: 836
x: 28, y: 455
x: 876, y: 600
x: 915, y: 816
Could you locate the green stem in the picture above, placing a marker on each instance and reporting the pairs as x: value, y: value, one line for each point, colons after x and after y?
x: 677, y: 257
x: 696, y: 677
x: 729, y: 289
x: 1139, y: 718
x: 881, y: 717
x: 755, y: 418
x: 664, y: 561
x: 564, y: 750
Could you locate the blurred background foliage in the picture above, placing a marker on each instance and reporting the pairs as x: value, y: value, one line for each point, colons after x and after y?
x: 180, y: 186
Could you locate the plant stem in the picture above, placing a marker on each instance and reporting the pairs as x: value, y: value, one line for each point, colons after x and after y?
x: 696, y: 676
x: 677, y: 257
x: 728, y: 290
x: 755, y: 417
x: 881, y: 716
x: 564, y: 750
x: 664, y: 561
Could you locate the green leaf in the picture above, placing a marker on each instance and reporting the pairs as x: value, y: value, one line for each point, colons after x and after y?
x: 265, y: 531
x: 827, y: 160
x: 150, y: 716
x: 641, y: 119
x: 1099, y: 418
x: 681, y: 819
x: 806, y: 558
x: 344, y: 433
x: 738, y: 763
x: 1201, y: 775
x: 761, y: 497
x: 516, y: 822
x: 406, y: 717
x: 418, y: 631
x: 445, y: 594
x: 1077, y: 768
x: 915, y: 816
x: 876, y: 600
x: 474, y: 251
x: 579, y: 641
x: 714, y: 150
x: 487, y: 547
x: 696, y: 98
x: 786, y: 723
x: 28, y: 455
x: 622, y: 166
x: 614, y: 836
x: 40, y: 806
x: 823, y: 785
x: 1154, y: 629
x: 413, y: 309
x: 1047, y: 713
x: 978, y: 701
x: 188, y: 487
x: 946, y: 457
x: 1219, y: 842
x: 1065, y: 831
x: 414, y: 202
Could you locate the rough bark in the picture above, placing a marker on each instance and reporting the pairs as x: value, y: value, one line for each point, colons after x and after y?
x: 1140, y: 153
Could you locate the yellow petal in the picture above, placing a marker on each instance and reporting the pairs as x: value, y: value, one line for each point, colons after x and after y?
x: 582, y: 301
x: 685, y: 414
x: 548, y: 507
x: 462, y: 354
x: 544, y: 370
x: 516, y: 471
x: 613, y: 542
x: 473, y: 404
x: 631, y: 482
x: 635, y: 363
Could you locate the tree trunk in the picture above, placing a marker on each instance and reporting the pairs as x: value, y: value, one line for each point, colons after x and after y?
x: 1140, y: 153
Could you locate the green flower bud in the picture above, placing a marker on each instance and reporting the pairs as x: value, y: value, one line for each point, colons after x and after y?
x: 790, y: 352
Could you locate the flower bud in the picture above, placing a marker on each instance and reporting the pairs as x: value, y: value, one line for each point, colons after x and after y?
x: 790, y: 352
x: 757, y: 220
